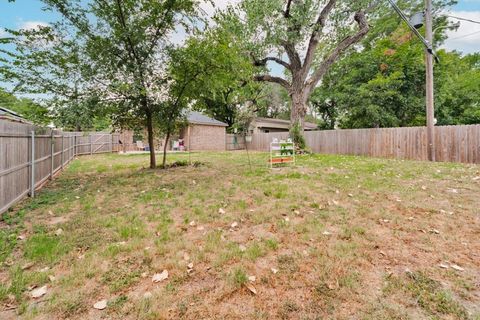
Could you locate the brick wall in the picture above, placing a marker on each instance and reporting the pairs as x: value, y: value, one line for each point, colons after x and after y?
x: 206, y: 138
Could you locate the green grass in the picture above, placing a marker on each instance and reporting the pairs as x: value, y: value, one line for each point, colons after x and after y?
x: 238, y: 277
x: 42, y: 247
x: 314, y: 236
x: 429, y: 294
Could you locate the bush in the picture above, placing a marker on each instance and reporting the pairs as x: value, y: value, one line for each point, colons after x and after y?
x: 297, y: 137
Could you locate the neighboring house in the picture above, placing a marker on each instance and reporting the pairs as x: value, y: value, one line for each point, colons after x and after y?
x: 203, y: 133
x: 266, y: 125
x: 6, y: 114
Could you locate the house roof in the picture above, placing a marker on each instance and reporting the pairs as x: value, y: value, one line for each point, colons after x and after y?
x: 11, y: 115
x: 280, y: 124
x: 199, y: 118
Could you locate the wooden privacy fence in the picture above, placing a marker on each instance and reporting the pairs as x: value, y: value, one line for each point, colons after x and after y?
x: 31, y: 155
x: 235, y: 142
x: 452, y: 143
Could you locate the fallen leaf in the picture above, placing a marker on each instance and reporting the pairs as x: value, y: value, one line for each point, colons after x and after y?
x: 274, y: 270
x: 251, y: 278
x: 435, y: 231
x: 192, y: 224
x: 242, y: 248
x: 59, y: 232
x: 190, y: 265
x: 221, y: 211
x: 160, y: 276
x: 39, y: 292
x: 326, y: 233
x: 21, y: 237
x: 51, y: 278
x: 100, y: 305
x: 27, y: 265
x: 424, y: 187
x: 251, y: 288
x: 332, y: 286
x: 200, y: 228
x: 457, y: 267
x: 443, y: 266
x: 147, y: 295
x: 234, y: 225
x: 287, y: 219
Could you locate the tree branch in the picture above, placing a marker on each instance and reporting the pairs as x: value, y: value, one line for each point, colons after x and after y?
x: 263, y: 62
x: 341, y: 47
x: 295, y: 63
x: 314, y: 38
x: 269, y: 78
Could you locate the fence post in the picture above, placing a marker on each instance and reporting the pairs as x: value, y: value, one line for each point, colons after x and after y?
x: 63, y: 150
x: 91, y: 146
x: 52, y: 151
x: 74, y: 146
x: 32, y: 167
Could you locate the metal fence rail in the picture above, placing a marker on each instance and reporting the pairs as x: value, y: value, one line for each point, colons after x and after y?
x: 30, y: 156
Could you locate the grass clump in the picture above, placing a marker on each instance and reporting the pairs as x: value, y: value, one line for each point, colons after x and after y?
x: 118, y: 279
x: 42, y: 247
x: 238, y: 277
x: 429, y: 295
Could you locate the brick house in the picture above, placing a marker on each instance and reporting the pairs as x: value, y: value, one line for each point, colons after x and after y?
x: 203, y: 133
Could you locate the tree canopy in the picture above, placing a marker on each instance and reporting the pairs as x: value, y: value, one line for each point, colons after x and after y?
x: 384, y: 84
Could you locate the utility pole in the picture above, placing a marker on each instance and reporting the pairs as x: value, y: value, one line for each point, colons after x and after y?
x: 429, y: 82
x: 415, y: 24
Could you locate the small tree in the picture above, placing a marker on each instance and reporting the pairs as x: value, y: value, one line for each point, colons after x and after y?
x: 119, y: 49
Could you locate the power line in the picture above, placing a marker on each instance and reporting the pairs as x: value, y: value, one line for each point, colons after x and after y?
x: 464, y: 19
x: 464, y: 36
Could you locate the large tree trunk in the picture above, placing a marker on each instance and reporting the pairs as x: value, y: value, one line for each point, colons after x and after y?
x: 299, y: 110
x: 167, y: 137
x: 153, y: 162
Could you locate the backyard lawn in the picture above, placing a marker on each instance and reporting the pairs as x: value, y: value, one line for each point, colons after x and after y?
x: 335, y: 237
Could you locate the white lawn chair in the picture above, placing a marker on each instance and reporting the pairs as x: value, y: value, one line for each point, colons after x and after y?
x: 175, y: 145
x: 140, y: 145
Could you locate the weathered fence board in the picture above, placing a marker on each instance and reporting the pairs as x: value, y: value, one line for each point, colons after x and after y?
x: 235, y: 142
x: 452, y: 143
x: 53, y: 150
